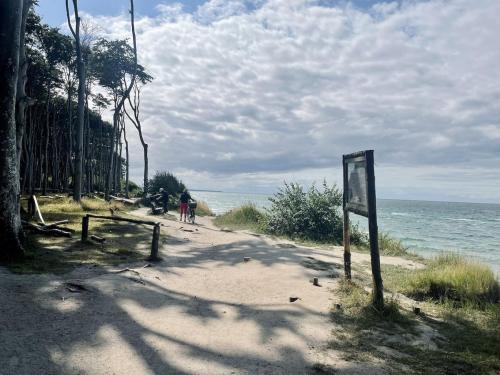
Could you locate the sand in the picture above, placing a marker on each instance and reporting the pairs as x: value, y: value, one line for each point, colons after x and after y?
x: 202, y: 310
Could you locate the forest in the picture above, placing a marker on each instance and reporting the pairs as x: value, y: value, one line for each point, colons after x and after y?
x: 57, y: 87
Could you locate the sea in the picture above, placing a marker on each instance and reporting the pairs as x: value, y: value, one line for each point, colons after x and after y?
x: 426, y: 228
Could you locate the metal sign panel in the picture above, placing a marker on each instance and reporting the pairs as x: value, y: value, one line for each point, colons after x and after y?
x: 355, y: 183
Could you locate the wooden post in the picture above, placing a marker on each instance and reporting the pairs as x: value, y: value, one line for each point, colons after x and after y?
x: 347, y: 247
x: 347, y: 244
x: 378, y: 289
x: 85, y: 227
x: 154, y: 244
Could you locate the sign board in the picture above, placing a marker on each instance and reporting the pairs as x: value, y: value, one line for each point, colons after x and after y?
x: 357, y: 193
x: 360, y: 198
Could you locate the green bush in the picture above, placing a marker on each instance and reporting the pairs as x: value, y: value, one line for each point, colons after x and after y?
x: 167, y: 181
x: 451, y: 277
x: 310, y: 215
x: 134, y: 190
x: 245, y: 217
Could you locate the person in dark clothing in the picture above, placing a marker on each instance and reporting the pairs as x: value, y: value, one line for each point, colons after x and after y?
x: 164, y: 199
x: 184, y: 198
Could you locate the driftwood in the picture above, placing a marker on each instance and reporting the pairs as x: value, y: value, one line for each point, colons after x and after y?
x: 34, y: 209
x: 119, y: 218
x: 97, y: 238
x: 125, y: 200
x: 48, y: 231
x: 56, y: 224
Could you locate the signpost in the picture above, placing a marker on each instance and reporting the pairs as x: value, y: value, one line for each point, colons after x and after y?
x: 360, y: 198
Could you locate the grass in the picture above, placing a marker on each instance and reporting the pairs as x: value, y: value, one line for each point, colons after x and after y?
x: 124, y: 242
x: 453, y: 278
x: 202, y: 209
x: 245, y: 217
x: 464, y: 320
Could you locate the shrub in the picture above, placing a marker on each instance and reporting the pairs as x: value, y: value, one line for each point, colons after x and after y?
x: 167, y: 181
x: 451, y: 277
x: 134, y: 190
x: 311, y: 215
x: 244, y: 217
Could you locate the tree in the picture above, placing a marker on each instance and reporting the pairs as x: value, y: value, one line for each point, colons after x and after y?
x: 77, y: 183
x: 11, y: 31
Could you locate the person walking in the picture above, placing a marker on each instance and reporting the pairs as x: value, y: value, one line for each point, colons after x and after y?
x: 184, y: 199
x: 164, y: 200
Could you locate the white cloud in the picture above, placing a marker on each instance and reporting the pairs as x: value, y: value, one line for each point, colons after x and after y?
x: 245, y: 95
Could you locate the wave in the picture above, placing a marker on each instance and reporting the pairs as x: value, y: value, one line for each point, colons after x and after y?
x: 401, y: 214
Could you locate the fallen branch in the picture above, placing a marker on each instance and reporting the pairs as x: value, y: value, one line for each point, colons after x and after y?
x: 97, y: 238
x: 42, y: 230
x: 125, y: 200
x: 55, y: 224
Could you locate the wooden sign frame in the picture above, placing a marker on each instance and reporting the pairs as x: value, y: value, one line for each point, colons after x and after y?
x: 370, y: 211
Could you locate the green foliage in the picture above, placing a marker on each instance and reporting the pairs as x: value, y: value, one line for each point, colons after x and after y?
x: 309, y: 215
x: 451, y: 277
x: 245, y: 217
x: 134, y: 190
x: 113, y: 60
x: 167, y: 181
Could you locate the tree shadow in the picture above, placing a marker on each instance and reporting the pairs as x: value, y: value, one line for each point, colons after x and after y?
x: 45, y: 326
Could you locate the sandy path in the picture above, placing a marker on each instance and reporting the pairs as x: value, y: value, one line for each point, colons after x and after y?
x: 202, y: 310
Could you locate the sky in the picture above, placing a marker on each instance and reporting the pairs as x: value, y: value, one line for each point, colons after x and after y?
x: 250, y: 93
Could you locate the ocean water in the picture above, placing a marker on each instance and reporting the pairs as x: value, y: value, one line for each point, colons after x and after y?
x: 427, y: 228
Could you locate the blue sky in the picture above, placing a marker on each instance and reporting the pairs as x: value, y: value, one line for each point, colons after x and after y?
x: 53, y: 11
x: 245, y: 97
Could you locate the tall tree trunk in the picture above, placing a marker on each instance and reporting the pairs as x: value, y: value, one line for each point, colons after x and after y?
x: 118, y: 108
x: 126, y: 159
x: 80, y: 68
x: 21, y: 97
x: 67, y: 165
x: 47, y: 137
x: 11, y: 13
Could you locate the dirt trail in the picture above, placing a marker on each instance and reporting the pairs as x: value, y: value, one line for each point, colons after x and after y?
x: 202, y: 310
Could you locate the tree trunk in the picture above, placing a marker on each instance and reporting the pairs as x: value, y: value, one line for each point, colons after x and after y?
x: 118, y: 108
x: 80, y: 68
x: 11, y: 12
x: 21, y: 97
x: 46, y: 150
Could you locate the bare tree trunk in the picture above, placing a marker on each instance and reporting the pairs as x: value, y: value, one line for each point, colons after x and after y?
x: 77, y: 183
x: 67, y: 165
x: 22, y: 98
x: 118, y: 108
x: 46, y: 150
x: 11, y: 13
x: 135, y: 105
x: 126, y: 158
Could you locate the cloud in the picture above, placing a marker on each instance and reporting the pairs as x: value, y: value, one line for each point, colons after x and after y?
x: 248, y: 90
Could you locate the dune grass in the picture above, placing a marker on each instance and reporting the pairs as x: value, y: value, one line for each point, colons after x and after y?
x: 247, y: 216
x: 203, y: 209
x: 452, y: 278
x: 465, y: 338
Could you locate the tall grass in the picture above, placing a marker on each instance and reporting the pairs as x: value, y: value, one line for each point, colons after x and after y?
x: 247, y: 216
x: 67, y: 205
x: 391, y: 246
x: 451, y: 277
x: 202, y: 209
